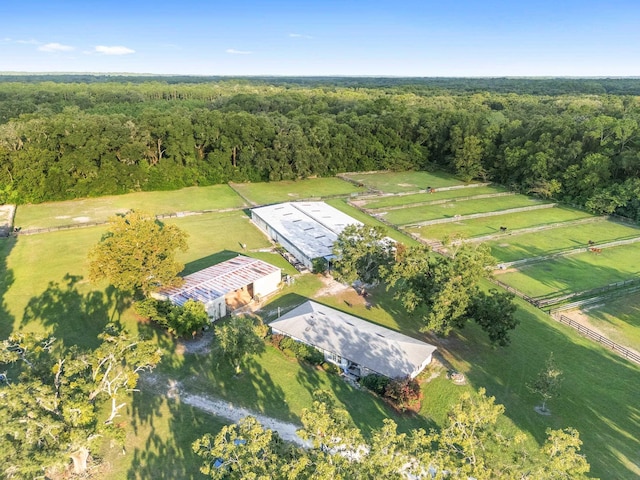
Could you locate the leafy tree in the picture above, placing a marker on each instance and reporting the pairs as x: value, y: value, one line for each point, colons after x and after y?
x: 49, y: 401
x: 547, y: 382
x: 361, y: 250
x: 237, y: 339
x: 471, y: 444
x: 116, y: 364
x: 405, y: 393
x: 247, y: 450
x: 137, y: 254
x: 179, y: 320
x: 562, y: 458
x: 494, y: 313
x: 440, y: 288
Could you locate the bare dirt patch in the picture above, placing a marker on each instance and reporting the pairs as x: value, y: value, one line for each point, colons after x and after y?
x: 407, y: 185
x: 82, y: 219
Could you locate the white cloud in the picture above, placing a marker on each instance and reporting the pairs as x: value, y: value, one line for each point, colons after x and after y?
x: 299, y: 35
x: 33, y: 42
x: 115, y: 50
x: 233, y: 51
x: 55, y: 47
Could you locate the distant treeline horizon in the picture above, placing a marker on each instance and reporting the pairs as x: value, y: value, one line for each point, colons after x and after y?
x: 76, y: 135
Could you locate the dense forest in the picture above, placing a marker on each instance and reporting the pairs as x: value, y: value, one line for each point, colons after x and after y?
x: 574, y: 140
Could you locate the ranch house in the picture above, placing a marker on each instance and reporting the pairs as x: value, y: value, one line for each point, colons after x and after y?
x: 226, y: 286
x: 358, y: 347
x: 307, y: 230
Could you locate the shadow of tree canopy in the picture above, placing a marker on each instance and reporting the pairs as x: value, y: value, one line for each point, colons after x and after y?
x: 208, y: 261
x: 598, y: 394
x: 166, y: 428
x: 73, y: 316
x: 7, y: 278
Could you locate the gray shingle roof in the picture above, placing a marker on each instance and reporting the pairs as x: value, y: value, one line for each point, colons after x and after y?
x: 377, y: 348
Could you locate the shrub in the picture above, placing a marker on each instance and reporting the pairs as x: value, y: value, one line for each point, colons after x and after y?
x: 301, y: 351
x: 276, y: 340
x: 330, y: 367
x: 404, y: 393
x: 376, y: 383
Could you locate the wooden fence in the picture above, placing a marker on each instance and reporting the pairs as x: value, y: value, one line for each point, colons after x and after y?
x: 481, y: 215
x: 587, y: 332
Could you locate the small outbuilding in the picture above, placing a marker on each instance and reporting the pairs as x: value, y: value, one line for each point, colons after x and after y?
x: 307, y: 230
x: 226, y: 286
x: 357, y: 346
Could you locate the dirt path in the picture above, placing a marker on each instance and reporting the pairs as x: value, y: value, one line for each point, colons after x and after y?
x: 221, y: 408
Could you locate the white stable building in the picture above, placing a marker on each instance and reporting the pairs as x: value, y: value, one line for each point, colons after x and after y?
x: 307, y: 230
x: 357, y: 346
x: 226, y: 286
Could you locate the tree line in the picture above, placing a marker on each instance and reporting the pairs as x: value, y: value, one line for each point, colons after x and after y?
x: 68, y: 140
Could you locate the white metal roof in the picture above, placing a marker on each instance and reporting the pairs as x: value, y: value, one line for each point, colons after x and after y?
x: 377, y: 348
x: 312, y: 227
x: 218, y: 280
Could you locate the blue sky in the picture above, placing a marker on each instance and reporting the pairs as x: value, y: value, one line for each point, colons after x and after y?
x: 402, y: 38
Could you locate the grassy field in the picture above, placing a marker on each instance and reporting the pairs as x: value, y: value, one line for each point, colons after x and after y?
x: 618, y: 319
x: 397, y: 182
x: 477, y: 227
x: 399, y: 200
x: 545, y: 242
x: 422, y: 213
x: 43, y: 287
x: 289, y: 190
x: 89, y: 210
x: 575, y: 273
x: 49, y: 272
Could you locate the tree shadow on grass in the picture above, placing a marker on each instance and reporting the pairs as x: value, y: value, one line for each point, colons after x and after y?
x: 598, y: 395
x: 73, y: 316
x: 7, y: 278
x: 208, y: 261
x: 164, y: 436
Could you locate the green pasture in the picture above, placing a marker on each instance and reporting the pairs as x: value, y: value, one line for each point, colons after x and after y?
x: 458, y: 193
x: 513, y: 247
x: 477, y: 227
x: 290, y: 190
x: 598, y: 394
x: 45, y: 281
x: 43, y: 286
x: 575, y: 273
x: 396, y: 182
x: 618, y: 319
x: 423, y: 213
x: 88, y: 210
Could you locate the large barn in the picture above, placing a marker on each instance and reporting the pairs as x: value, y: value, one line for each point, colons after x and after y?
x: 226, y: 286
x: 307, y: 230
x: 357, y: 346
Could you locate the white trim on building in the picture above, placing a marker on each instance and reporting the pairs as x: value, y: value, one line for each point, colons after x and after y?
x: 307, y: 230
x: 247, y: 276
x: 355, y: 344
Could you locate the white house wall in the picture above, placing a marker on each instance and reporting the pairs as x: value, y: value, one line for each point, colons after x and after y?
x: 266, y: 285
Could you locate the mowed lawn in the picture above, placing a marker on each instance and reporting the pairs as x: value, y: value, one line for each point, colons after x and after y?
x: 396, y: 182
x: 515, y: 247
x: 618, y: 319
x: 576, y: 273
x: 290, y: 190
x: 458, y: 193
x: 423, y: 213
x: 50, y: 271
x: 477, y: 227
x: 88, y: 210
x: 598, y: 394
